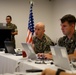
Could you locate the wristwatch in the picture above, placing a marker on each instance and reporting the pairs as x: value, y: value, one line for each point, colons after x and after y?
x: 59, y: 70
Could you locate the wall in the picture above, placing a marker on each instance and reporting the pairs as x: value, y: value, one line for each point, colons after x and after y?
x: 19, y: 10
x: 48, y: 12
x: 61, y: 8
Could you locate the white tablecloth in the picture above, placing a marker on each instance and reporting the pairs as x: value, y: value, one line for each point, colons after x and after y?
x: 10, y: 63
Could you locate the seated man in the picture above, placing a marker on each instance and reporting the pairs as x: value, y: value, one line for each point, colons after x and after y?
x: 41, y: 42
x: 69, y: 40
x: 49, y: 71
x: 68, y: 29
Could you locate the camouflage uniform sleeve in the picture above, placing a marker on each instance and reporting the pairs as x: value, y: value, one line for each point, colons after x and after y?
x: 61, y: 41
x: 15, y: 28
x: 33, y: 41
x: 50, y: 42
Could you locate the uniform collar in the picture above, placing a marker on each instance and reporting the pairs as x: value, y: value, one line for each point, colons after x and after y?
x: 72, y: 38
x: 8, y: 24
x: 42, y: 37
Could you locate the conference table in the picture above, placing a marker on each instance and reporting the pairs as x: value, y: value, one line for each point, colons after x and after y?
x: 11, y: 63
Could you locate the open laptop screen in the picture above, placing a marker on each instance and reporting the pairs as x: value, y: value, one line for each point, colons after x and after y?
x: 29, y: 51
x: 9, y: 47
x: 60, y: 57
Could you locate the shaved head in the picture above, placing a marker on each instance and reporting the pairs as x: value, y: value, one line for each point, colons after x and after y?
x: 40, y: 25
x: 39, y: 29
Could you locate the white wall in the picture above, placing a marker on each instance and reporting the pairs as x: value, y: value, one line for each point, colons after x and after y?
x: 19, y: 10
x: 48, y: 12
x: 61, y: 8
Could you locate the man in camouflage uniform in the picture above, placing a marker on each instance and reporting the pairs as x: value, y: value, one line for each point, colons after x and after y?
x: 41, y: 41
x: 68, y: 28
x: 13, y: 27
x: 69, y: 40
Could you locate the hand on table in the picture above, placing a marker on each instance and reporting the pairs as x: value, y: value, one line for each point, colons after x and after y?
x: 46, y: 55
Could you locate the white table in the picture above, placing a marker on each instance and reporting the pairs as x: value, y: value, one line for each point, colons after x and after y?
x: 21, y: 74
x: 10, y: 63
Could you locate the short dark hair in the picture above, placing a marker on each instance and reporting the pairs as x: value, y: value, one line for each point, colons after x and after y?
x: 69, y: 18
x: 9, y: 17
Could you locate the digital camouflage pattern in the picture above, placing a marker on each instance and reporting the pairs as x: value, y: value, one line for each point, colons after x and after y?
x: 14, y: 29
x: 42, y: 45
x: 70, y: 44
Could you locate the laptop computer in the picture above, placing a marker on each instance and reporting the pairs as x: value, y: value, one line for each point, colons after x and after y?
x: 60, y: 57
x: 3, y: 26
x: 29, y: 51
x: 9, y: 48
